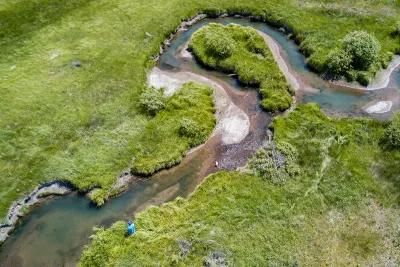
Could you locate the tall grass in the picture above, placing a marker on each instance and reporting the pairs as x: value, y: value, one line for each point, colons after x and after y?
x: 83, y: 123
x: 242, y: 51
x: 341, y: 209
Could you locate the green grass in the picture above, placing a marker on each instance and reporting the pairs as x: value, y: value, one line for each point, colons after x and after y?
x: 154, y: 151
x: 241, y: 50
x: 84, y: 124
x: 341, y: 210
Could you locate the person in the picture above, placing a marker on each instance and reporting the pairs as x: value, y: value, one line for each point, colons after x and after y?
x: 131, y: 228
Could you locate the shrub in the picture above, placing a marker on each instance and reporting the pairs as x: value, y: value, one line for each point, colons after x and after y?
x: 392, y: 133
x: 363, y: 78
x: 192, y: 130
x: 218, y: 45
x: 275, y: 163
x: 363, y: 49
x: 396, y: 29
x: 152, y: 100
x: 338, y: 63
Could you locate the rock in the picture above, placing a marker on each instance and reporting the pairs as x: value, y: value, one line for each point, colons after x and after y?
x: 148, y: 34
x: 216, y: 259
x: 122, y: 182
x: 76, y: 64
x: 185, y: 247
x: 379, y: 107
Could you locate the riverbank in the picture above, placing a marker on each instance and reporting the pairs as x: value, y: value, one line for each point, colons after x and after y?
x: 292, y: 223
x: 23, y: 206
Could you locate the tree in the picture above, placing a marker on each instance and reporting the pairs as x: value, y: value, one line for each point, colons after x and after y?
x: 152, y: 100
x: 363, y: 49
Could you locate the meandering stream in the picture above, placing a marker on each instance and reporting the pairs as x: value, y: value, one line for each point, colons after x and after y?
x: 55, y: 233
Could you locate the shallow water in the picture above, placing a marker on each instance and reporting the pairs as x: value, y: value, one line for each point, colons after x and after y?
x: 333, y: 99
x: 55, y: 232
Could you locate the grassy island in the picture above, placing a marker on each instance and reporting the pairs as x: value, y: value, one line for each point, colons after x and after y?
x: 339, y: 208
x: 242, y: 51
x: 166, y: 139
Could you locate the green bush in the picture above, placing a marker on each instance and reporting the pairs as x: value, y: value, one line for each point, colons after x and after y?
x: 152, y: 100
x: 392, y: 133
x: 338, y: 63
x: 275, y: 163
x: 218, y: 45
x: 363, y: 78
x: 192, y: 130
x: 241, y: 50
x: 363, y: 48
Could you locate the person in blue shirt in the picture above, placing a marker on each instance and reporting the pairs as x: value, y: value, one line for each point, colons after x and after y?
x: 131, y: 228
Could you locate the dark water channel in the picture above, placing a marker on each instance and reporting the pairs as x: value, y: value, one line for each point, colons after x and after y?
x: 55, y: 233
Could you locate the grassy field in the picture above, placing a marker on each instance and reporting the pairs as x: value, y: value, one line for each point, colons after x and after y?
x: 153, y: 151
x: 340, y: 210
x: 83, y: 123
x: 241, y: 50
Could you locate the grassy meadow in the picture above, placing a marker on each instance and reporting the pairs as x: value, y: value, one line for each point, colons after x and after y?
x: 341, y: 209
x: 71, y: 72
x: 242, y: 51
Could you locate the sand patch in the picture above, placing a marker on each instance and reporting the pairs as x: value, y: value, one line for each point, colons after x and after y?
x: 159, y: 79
x: 233, y: 124
x: 379, y: 107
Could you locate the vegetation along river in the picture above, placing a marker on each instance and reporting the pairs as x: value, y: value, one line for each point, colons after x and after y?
x: 55, y: 233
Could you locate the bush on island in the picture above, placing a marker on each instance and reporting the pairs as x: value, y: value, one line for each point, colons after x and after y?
x: 192, y: 130
x: 218, y: 45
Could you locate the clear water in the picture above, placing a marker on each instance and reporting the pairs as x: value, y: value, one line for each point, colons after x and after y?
x: 55, y: 233
x: 397, y: 79
x: 330, y: 98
